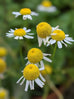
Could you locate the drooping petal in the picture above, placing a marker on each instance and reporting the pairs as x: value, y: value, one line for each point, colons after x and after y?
x: 52, y: 41
x: 67, y: 41
x: 16, y: 14
x: 42, y: 78
x: 47, y: 59
x: 38, y: 82
x: 20, y: 79
x: 42, y: 65
x: 27, y: 84
x: 39, y: 41
x: 59, y: 44
x: 16, y: 37
x: 28, y: 30
x: 64, y: 43
x: 32, y: 85
x: 46, y: 54
x: 29, y: 17
x: 24, y: 28
x: 20, y: 37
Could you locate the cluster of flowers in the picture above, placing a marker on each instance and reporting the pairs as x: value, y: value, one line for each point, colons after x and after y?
x: 46, y: 34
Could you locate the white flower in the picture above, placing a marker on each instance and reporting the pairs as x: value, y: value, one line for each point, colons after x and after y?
x: 20, y: 33
x: 46, y: 6
x: 36, y: 56
x: 44, y: 31
x: 31, y: 74
x: 58, y: 36
x: 26, y: 12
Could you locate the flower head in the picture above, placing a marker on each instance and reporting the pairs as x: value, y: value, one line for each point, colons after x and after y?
x: 58, y: 36
x: 35, y: 56
x: 31, y: 73
x: 20, y: 33
x: 26, y: 12
x: 47, y: 70
x: 44, y: 30
x: 2, y: 68
x: 46, y: 6
x: 3, y: 93
x: 3, y: 52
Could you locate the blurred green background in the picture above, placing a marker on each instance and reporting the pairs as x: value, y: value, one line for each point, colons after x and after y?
x: 63, y: 63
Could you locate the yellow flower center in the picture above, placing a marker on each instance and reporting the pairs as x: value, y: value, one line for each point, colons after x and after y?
x: 25, y: 11
x: 43, y: 29
x: 35, y: 55
x: 3, y: 52
x: 60, y: 35
x: 47, y: 70
x: 19, y: 32
x: 2, y: 94
x: 31, y: 72
x: 2, y: 66
x: 46, y: 3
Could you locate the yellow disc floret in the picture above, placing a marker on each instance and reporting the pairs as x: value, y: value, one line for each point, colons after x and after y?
x: 19, y: 32
x: 47, y: 70
x: 31, y: 72
x: 3, y: 94
x: 60, y: 35
x: 35, y: 55
x: 25, y: 11
x: 46, y: 3
x: 2, y: 66
x: 3, y: 52
x: 43, y: 29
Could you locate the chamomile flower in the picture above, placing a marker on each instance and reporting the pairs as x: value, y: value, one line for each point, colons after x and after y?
x: 46, y: 6
x: 58, y: 36
x: 43, y: 31
x: 3, y: 94
x: 3, y: 52
x: 31, y: 74
x: 20, y: 33
x: 35, y: 56
x: 2, y: 68
x: 47, y: 70
x: 26, y: 13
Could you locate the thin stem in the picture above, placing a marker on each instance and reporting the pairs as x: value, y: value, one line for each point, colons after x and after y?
x: 53, y: 87
x: 0, y: 83
x: 54, y: 50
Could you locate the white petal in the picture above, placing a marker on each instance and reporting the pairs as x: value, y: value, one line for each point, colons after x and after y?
x: 38, y: 82
x: 64, y: 43
x: 24, y: 17
x: 24, y: 28
x: 44, y: 54
x: 16, y: 14
x: 26, y: 57
x: 11, y: 30
x: 28, y: 30
x: 55, y: 28
x: 27, y: 84
x: 67, y: 41
x: 34, y: 13
x: 16, y: 37
x: 39, y: 41
x: 30, y: 33
x: 32, y: 85
x: 29, y: 17
x: 21, y: 38
x: 52, y: 41
x: 42, y: 65
x: 9, y: 34
x: 29, y: 37
x: 47, y: 59
x: 42, y: 78
x: 59, y: 44
x: 27, y: 63
x: 66, y: 35
x: 20, y: 79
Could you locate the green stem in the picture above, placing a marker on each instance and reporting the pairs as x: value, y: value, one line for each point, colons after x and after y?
x: 54, y: 50
x: 53, y: 87
x: 0, y: 83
